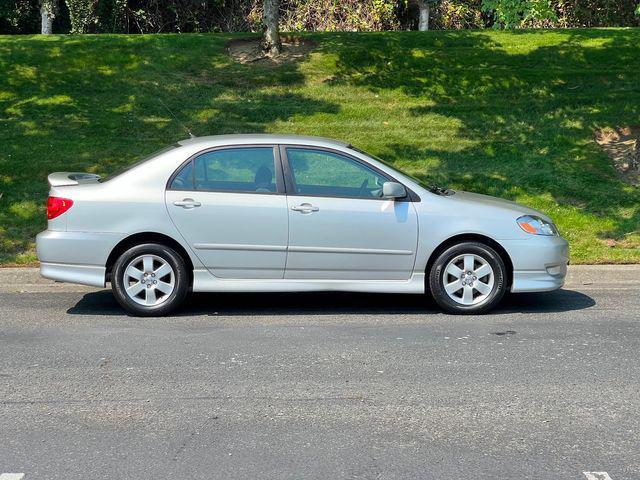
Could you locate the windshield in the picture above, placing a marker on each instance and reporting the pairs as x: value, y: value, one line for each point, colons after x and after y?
x: 417, y: 180
x: 432, y: 188
x: 126, y: 168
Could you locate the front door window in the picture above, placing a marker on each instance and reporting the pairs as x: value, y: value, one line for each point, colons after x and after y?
x: 328, y: 174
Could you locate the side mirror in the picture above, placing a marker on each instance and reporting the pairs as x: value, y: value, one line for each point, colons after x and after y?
x: 393, y: 190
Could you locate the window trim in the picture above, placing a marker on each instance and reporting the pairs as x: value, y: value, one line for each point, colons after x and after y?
x: 277, y: 163
x: 290, y: 179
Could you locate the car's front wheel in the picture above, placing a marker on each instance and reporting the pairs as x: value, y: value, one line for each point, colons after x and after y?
x: 149, y: 280
x: 468, y: 278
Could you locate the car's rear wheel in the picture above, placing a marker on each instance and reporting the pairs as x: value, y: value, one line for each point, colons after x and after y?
x: 149, y: 280
x: 468, y: 278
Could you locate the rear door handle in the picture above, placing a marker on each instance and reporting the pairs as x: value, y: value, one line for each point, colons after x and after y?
x: 187, y: 203
x: 305, y: 208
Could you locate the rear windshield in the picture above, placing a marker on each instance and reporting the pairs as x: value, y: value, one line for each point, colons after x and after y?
x: 126, y: 168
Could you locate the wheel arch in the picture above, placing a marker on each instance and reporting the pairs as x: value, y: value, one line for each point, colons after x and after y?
x: 148, y: 237
x: 471, y: 237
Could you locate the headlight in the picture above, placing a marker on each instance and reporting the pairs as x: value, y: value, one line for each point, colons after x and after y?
x: 537, y: 226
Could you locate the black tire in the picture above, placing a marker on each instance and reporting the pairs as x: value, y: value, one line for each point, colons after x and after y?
x: 437, y: 278
x: 168, y: 304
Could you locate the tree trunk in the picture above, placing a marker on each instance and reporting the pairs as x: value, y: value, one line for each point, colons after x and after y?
x: 423, y: 24
x: 48, y: 10
x: 271, y: 39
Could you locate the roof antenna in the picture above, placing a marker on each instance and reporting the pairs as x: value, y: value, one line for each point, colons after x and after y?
x: 187, y: 129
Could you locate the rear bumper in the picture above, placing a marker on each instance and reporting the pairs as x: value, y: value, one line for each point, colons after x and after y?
x: 75, y: 257
x: 539, y: 263
x: 83, y: 274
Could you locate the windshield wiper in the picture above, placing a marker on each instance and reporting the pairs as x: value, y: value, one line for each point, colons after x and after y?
x: 444, y: 191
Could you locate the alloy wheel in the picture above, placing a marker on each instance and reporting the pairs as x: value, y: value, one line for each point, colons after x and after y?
x: 468, y: 279
x: 149, y: 280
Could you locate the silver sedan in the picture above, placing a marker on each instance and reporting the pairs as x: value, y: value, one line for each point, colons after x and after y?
x: 276, y: 213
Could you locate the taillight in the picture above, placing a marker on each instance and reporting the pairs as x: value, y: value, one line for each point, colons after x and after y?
x: 56, y: 206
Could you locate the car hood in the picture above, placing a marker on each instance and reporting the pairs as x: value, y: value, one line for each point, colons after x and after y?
x: 469, y: 199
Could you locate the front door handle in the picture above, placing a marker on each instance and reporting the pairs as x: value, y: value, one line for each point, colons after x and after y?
x: 305, y: 208
x: 187, y: 203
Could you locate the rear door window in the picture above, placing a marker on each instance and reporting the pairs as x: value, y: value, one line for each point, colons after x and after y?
x: 242, y: 170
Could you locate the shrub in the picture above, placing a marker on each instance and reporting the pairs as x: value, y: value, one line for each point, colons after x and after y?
x: 331, y: 15
x: 520, y: 13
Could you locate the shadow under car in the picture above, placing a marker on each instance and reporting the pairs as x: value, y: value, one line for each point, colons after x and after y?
x: 331, y: 303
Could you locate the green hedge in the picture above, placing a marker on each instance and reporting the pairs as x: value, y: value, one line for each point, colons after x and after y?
x: 163, y: 16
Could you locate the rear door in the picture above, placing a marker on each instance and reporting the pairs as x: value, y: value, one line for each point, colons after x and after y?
x: 340, y: 227
x: 229, y: 205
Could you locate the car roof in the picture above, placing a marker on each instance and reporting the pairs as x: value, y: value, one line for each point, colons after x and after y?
x: 253, y: 138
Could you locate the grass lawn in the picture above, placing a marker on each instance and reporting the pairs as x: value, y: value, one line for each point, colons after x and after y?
x: 508, y: 114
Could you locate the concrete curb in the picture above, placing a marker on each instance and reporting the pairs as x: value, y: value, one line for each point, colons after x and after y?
x: 603, y: 275
x: 583, y: 277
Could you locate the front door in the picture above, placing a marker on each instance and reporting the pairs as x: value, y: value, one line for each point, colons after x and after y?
x: 340, y: 227
x: 229, y: 205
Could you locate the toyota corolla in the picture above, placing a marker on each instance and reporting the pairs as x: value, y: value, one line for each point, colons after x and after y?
x: 271, y: 213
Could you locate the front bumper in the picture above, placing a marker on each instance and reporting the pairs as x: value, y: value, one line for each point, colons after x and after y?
x: 539, y: 263
x: 75, y: 257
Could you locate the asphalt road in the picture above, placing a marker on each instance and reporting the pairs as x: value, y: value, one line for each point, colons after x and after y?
x: 322, y: 386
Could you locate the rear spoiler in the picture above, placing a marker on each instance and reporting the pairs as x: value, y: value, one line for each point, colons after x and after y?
x: 60, y: 179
